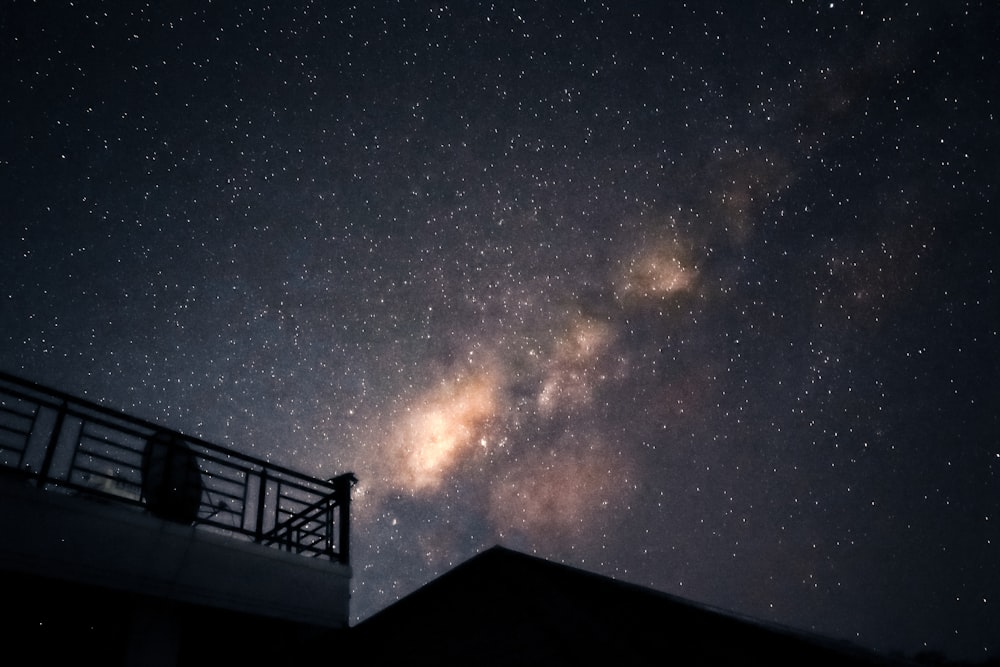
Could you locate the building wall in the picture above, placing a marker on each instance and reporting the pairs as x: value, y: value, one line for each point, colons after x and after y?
x: 159, y: 587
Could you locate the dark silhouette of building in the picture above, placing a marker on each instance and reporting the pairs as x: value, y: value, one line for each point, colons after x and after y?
x: 507, y: 608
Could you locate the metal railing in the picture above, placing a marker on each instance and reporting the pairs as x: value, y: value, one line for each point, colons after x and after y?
x: 62, y: 442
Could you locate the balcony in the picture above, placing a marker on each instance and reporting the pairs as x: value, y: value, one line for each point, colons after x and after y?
x: 68, y: 444
x: 146, y: 527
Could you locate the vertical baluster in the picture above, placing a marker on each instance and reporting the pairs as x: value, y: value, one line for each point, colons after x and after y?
x: 261, y: 497
x: 50, y: 452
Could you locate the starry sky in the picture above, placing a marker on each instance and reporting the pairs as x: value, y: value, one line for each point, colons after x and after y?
x: 697, y: 295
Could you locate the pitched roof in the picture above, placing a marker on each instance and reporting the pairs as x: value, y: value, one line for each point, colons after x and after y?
x: 506, y: 607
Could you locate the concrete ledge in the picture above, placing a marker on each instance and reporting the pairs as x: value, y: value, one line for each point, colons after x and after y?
x: 54, y: 534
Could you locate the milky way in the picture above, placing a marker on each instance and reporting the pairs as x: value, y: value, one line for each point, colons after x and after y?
x: 699, y: 297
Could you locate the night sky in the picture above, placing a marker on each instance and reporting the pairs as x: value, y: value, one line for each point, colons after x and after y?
x: 697, y: 295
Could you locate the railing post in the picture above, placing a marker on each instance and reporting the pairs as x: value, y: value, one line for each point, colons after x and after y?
x: 342, y: 494
x: 50, y: 452
x: 259, y: 528
x: 328, y: 528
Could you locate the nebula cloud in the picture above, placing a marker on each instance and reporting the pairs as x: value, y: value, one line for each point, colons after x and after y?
x: 657, y: 270
x: 573, y: 368
x: 445, y: 423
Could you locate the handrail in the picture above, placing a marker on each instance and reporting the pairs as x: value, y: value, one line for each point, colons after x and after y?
x: 63, y: 442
